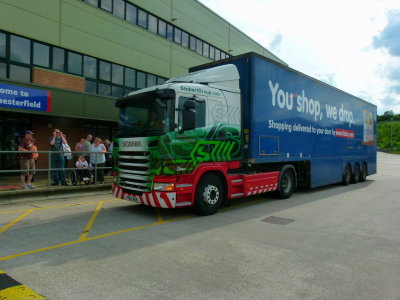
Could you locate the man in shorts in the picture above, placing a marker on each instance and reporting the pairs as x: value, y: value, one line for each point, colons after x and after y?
x: 26, y: 161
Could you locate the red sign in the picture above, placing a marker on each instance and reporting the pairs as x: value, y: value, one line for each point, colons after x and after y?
x: 348, y: 134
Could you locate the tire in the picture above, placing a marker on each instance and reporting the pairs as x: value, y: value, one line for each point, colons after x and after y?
x: 346, y: 175
x: 73, y: 177
x: 210, y: 194
x: 364, y: 173
x: 287, y: 183
x: 355, y: 177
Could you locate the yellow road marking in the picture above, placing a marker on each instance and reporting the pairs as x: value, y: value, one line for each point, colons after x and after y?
x: 19, y: 292
x: 16, y: 220
x: 91, y: 221
x: 159, y: 216
x: 91, y: 238
x: 2, y: 272
x: 57, y: 206
x: 159, y: 222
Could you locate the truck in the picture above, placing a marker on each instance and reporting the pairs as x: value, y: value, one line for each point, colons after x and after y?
x: 238, y: 127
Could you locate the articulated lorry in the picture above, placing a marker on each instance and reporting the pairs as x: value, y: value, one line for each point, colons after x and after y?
x: 241, y: 126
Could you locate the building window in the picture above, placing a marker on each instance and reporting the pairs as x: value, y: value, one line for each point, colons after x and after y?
x: 89, y: 67
x: 20, y: 73
x: 41, y: 55
x: 141, y: 80
x: 91, y: 87
x: 20, y: 50
x: 117, y: 92
x: 106, y: 5
x: 162, y: 28
x: 151, y: 80
x: 199, y: 47
x: 74, y: 63
x: 93, y: 2
x: 160, y: 80
x: 152, y: 24
x: 3, y: 44
x: 217, y: 54
x: 170, y: 32
x: 58, y: 59
x: 130, y: 77
x: 119, y: 8
x: 137, y: 16
x: 212, y: 52
x: 185, y: 39
x: 131, y: 13
x: 104, y: 71
x: 192, y: 43
x: 3, y: 70
x: 177, y: 36
x: 104, y: 89
x: 128, y: 91
x: 117, y: 74
x: 206, y: 49
x: 142, y: 18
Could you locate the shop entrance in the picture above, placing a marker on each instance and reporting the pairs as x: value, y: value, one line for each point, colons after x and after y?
x: 12, y: 130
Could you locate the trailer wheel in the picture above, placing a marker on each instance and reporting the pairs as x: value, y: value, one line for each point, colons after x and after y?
x: 356, y: 174
x: 209, y: 195
x: 286, y: 184
x: 364, y: 172
x: 347, y: 175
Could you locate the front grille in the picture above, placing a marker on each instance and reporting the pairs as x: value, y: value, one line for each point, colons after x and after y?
x: 134, y: 171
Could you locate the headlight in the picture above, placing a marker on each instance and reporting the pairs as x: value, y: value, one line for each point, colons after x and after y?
x: 164, y: 186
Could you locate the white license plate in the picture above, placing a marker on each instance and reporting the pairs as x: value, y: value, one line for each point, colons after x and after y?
x: 132, y: 198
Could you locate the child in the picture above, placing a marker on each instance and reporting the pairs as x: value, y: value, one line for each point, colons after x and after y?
x: 81, y: 163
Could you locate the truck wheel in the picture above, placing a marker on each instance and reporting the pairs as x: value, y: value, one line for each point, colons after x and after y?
x: 286, y: 184
x: 209, y: 195
x: 347, y: 175
x: 364, y: 172
x: 356, y: 174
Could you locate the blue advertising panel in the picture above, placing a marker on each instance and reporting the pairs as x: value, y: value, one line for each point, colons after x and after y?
x: 12, y: 96
x: 291, y: 117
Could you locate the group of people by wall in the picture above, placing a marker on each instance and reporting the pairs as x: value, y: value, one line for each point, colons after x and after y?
x: 85, y: 155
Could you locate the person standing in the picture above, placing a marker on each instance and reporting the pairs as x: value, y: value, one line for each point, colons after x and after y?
x: 98, y: 159
x: 79, y: 147
x: 108, y: 163
x: 26, y: 160
x: 86, y: 147
x: 67, y: 152
x: 57, y: 157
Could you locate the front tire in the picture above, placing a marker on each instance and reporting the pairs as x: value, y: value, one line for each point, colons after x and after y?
x: 210, y: 194
x: 287, y: 184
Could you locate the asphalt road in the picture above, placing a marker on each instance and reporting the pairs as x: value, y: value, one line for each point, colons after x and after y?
x: 343, y: 243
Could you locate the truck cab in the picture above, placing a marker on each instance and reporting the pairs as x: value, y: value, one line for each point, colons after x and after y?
x: 166, y: 132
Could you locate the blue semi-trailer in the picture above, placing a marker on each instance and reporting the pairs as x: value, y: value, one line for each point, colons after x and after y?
x: 238, y: 127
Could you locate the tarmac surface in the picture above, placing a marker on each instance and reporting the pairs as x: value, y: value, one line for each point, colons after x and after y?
x: 336, y: 242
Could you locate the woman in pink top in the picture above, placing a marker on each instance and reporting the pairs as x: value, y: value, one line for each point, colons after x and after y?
x: 79, y: 147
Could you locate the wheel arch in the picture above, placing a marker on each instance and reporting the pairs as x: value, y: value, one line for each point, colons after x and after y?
x: 219, y: 170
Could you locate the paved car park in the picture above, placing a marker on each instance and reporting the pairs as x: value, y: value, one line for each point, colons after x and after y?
x: 332, y: 242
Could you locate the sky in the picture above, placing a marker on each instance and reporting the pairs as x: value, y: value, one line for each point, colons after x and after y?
x: 353, y: 45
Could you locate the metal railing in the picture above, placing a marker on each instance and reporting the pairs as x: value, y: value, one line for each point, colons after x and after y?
x: 49, y: 170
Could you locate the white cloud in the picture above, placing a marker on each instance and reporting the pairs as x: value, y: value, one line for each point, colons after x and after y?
x: 329, y: 40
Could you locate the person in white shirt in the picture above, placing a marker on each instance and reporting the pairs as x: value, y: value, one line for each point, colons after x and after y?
x: 98, y: 158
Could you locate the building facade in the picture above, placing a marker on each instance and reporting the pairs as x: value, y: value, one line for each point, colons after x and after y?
x: 64, y: 62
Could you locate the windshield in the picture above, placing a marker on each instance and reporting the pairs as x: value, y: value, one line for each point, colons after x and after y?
x: 147, y: 116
